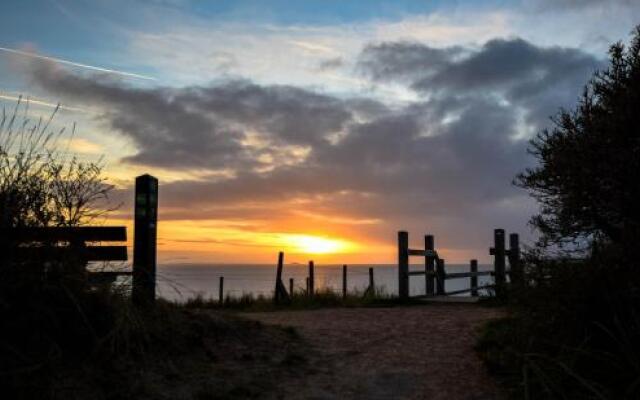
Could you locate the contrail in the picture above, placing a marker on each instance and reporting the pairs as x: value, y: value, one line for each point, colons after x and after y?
x: 75, y: 64
x: 40, y: 102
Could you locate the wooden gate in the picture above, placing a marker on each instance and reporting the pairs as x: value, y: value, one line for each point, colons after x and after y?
x: 435, y: 272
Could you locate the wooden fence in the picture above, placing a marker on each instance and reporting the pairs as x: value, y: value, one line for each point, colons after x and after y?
x: 281, y: 295
x: 435, y: 269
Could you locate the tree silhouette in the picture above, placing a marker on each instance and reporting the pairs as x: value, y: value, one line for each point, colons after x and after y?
x: 588, y: 177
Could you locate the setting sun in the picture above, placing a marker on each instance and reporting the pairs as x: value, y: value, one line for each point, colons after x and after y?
x: 316, y: 245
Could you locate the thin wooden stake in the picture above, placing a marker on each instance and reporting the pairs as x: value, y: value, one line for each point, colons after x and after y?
x: 372, y: 286
x: 344, y: 282
x: 311, y: 279
x: 280, y: 291
x: 291, y: 286
x: 221, y: 291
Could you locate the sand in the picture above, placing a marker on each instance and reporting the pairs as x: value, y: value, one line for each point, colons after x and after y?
x: 415, y: 352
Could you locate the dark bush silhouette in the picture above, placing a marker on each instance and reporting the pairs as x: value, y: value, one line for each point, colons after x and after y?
x: 587, y: 178
x: 574, y: 329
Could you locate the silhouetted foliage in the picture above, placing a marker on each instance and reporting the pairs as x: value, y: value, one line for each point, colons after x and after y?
x: 40, y: 184
x: 63, y: 338
x: 587, y: 178
x: 574, y: 327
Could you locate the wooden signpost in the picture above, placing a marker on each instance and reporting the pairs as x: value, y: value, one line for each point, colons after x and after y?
x: 145, y: 236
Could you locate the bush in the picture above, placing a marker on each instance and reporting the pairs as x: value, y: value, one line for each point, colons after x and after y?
x: 574, y: 331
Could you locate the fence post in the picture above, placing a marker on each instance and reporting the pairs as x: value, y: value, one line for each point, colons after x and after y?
x: 276, y: 293
x: 280, y: 292
x: 291, y: 287
x: 144, y: 242
x: 344, y: 282
x: 440, y: 276
x: 311, y: 279
x: 403, y: 265
x: 221, y: 291
x: 498, y: 251
x: 516, y: 272
x: 429, y: 265
x: 474, y: 278
x: 372, y: 286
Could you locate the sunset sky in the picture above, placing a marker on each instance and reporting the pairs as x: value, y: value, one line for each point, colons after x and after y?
x: 317, y: 127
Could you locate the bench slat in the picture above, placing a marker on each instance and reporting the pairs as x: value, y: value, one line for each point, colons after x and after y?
x: 85, y: 233
x: 90, y: 253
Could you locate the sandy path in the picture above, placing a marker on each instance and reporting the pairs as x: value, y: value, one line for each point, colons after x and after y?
x: 419, y: 352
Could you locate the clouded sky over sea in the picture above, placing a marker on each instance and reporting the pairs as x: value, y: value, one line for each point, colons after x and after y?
x: 318, y: 127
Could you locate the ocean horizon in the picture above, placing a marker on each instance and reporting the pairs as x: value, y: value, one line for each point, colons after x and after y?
x: 181, y: 281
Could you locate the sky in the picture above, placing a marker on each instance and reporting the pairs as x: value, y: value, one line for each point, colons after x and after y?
x: 320, y: 128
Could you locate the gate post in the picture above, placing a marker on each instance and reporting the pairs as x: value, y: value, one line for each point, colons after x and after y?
x: 474, y: 278
x: 403, y: 265
x: 429, y: 265
x: 498, y: 252
x: 516, y: 272
x: 440, y: 277
x: 144, y: 243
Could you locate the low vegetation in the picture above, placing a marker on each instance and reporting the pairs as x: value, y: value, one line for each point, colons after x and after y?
x: 56, y: 344
x: 300, y: 300
x: 64, y: 338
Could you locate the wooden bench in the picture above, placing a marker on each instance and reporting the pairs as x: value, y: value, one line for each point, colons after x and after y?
x: 81, y: 244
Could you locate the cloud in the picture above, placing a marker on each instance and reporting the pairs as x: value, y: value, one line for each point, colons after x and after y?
x: 549, y: 5
x: 537, y: 79
x: 331, y: 63
x: 443, y: 163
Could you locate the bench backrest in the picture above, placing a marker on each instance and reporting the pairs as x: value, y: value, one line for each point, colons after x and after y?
x: 54, y: 242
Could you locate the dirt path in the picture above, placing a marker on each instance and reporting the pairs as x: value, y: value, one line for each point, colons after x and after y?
x: 419, y: 352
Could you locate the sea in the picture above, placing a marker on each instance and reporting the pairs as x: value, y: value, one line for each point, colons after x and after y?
x: 179, y: 282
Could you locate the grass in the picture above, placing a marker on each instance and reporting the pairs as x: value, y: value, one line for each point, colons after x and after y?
x: 300, y: 300
x: 59, y: 342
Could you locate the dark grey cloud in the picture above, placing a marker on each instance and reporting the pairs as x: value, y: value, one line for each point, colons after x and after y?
x: 404, y: 61
x: 443, y: 164
x: 331, y: 63
x: 205, y: 127
x: 538, y: 79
